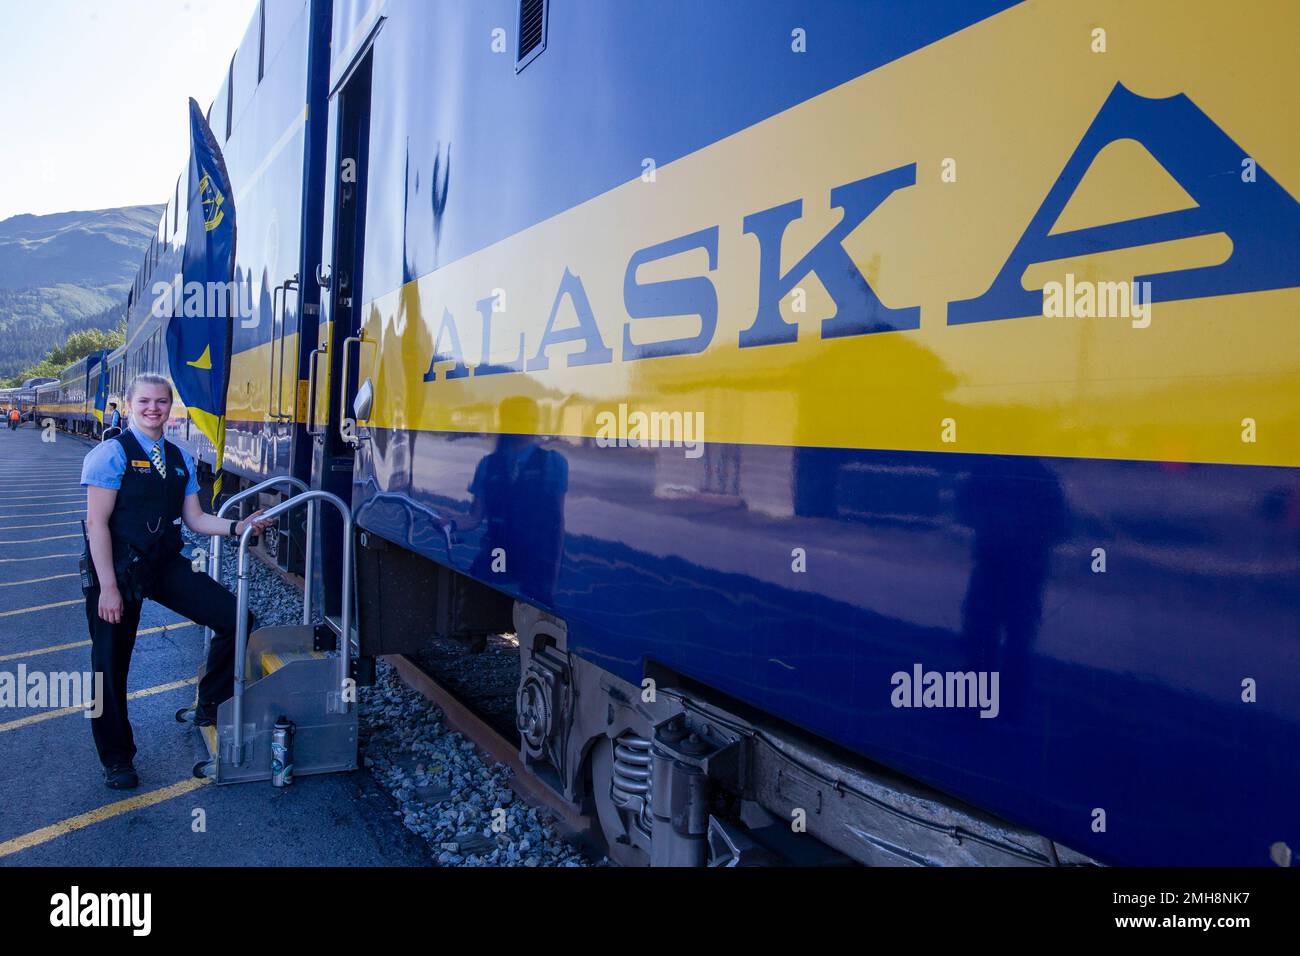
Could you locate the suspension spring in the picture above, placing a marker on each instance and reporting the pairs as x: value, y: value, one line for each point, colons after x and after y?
x: 630, y: 787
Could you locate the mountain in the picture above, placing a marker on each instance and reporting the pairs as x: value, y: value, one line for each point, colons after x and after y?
x: 66, y: 272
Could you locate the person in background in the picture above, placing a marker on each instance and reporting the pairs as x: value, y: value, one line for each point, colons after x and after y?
x: 113, y: 422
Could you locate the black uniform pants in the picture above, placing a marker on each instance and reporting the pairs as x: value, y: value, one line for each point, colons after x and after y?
x: 192, y: 595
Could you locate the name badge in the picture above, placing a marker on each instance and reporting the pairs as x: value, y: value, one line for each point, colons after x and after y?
x: 141, y: 464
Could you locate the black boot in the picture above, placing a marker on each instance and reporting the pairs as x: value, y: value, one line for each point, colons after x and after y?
x: 121, y: 777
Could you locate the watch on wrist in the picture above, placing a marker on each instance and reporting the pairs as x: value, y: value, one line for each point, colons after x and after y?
x: 234, y: 525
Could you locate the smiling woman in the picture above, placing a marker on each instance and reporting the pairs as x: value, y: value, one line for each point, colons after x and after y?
x: 138, y: 488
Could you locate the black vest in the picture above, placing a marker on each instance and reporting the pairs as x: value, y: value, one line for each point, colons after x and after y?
x: 144, y: 515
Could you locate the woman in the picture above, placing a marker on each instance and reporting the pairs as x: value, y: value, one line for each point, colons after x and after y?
x: 138, y: 485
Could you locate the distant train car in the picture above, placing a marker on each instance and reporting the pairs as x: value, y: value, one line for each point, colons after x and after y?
x: 114, y: 385
x: 31, y: 386
x: 47, y: 399
x: 73, y: 409
x: 19, y: 398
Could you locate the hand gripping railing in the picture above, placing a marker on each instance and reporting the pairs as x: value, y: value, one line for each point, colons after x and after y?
x: 214, y: 551
x: 339, y: 702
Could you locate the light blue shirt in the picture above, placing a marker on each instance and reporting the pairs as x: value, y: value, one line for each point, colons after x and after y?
x: 106, y: 463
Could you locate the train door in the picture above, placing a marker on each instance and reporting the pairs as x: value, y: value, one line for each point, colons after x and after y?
x: 340, y: 278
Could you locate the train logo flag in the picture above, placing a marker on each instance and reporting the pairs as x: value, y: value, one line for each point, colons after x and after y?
x: 198, y: 346
x: 101, y: 395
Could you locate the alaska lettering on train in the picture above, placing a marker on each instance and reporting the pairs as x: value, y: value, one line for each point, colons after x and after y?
x: 1200, y: 156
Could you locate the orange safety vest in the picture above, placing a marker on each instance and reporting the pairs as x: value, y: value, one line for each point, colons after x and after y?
x: 14, y: 416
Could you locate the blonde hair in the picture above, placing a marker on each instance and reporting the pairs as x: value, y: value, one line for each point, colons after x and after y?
x: 148, y: 378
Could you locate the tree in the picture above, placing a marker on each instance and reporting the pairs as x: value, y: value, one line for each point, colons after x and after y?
x: 78, y: 346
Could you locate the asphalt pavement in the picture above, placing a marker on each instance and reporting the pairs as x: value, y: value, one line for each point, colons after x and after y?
x: 55, y: 809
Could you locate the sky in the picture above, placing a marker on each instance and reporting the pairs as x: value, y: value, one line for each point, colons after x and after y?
x: 93, y: 96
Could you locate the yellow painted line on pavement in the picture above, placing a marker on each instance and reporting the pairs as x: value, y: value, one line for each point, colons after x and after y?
x: 36, y: 492
x: 52, y: 577
x: 60, y: 486
x: 15, y: 496
x: 41, y: 607
x: 50, y: 524
x: 66, y: 711
x: 42, y: 504
x: 45, y: 650
x: 51, y: 485
x: 26, y: 499
x: 42, y: 499
x: 39, y: 557
x: 48, y: 514
x: 98, y: 815
x: 53, y: 537
x: 74, y: 644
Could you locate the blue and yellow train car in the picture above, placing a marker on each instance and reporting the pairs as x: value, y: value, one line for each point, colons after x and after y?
x: 72, y: 405
x: 31, y: 388
x: 881, y: 417
x: 21, y: 398
x: 902, y: 397
x: 47, y: 397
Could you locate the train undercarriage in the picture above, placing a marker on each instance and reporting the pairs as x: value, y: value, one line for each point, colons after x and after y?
x: 675, y: 773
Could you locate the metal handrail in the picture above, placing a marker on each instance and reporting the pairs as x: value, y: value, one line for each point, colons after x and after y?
x: 339, y: 704
x: 343, y: 388
x: 271, y: 380
x: 214, y: 552
x: 311, y: 389
x: 279, y: 392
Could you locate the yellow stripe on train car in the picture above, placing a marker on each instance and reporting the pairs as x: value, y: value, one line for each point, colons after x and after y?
x: 989, y: 117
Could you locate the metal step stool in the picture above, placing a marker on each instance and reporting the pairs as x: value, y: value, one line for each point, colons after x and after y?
x: 279, y: 672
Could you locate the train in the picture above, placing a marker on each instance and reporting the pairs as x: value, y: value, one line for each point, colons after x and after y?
x: 877, y: 423
x: 73, y: 401
x: 23, y: 397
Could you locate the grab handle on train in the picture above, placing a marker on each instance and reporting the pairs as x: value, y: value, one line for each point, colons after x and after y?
x: 279, y: 305
x: 348, y: 435
x: 272, y: 382
x: 339, y: 702
x: 290, y: 285
x: 311, y: 389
